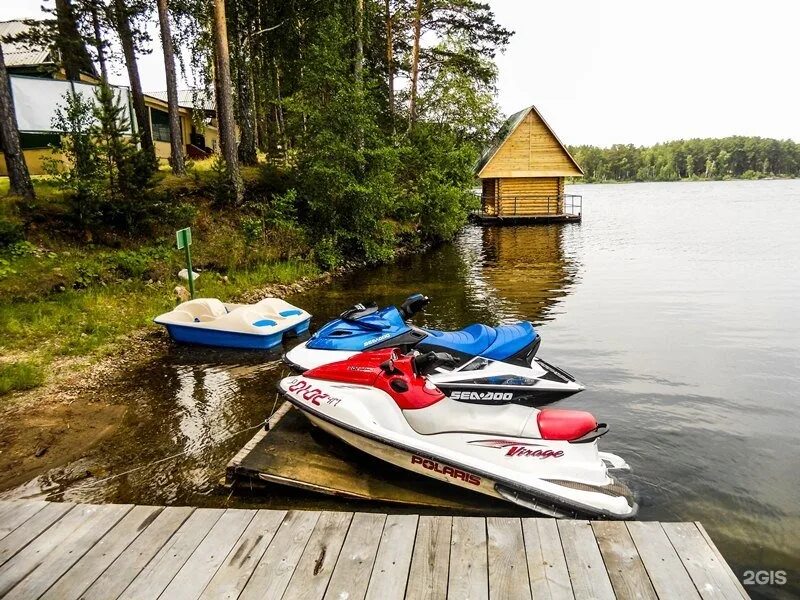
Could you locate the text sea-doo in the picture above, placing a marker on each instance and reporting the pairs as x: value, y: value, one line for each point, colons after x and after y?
x: 492, y: 363
x: 546, y: 460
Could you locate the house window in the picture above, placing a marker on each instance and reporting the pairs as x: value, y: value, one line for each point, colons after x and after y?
x: 159, y: 122
x: 31, y: 141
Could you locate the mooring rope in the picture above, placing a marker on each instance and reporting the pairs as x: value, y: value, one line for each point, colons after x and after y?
x: 209, y: 443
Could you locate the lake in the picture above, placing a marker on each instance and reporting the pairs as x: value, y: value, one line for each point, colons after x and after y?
x: 674, y: 303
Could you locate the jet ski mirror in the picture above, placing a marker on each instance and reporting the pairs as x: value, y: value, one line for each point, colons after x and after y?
x: 412, y: 305
x: 431, y: 360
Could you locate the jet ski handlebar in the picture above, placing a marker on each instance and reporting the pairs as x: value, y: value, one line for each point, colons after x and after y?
x: 413, y: 304
x: 431, y: 360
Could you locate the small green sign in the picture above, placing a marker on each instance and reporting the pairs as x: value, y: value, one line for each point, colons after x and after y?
x: 184, y: 237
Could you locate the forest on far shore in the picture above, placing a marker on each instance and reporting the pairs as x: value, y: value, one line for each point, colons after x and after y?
x: 736, y: 157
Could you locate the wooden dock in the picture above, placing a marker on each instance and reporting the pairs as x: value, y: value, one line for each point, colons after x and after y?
x: 512, y: 219
x: 64, y: 551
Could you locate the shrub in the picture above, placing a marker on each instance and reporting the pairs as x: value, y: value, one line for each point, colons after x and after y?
x: 20, y: 376
x: 11, y: 232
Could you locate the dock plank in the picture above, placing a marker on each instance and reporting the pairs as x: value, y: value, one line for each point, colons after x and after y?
x: 155, y: 577
x: 625, y: 568
x: 393, y: 560
x: 275, y: 569
x: 508, y: 569
x: 59, y: 560
x: 353, y: 569
x: 31, y: 529
x: 547, y: 566
x: 14, y: 514
x: 310, y: 579
x: 430, y: 562
x: 584, y: 561
x: 711, y: 577
x: 124, y: 569
x: 233, y: 575
x: 664, y: 567
x: 34, y: 553
x: 721, y: 559
x: 203, y: 563
x: 66, y: 551
x: 468, y: 578
x: 83, y: 573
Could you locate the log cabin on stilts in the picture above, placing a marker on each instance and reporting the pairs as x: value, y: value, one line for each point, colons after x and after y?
x: 522, y: 174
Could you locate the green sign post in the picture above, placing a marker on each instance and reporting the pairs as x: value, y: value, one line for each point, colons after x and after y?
x: 184, y: 237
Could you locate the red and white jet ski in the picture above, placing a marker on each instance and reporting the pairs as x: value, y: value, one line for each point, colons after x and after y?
x: 546, y: 460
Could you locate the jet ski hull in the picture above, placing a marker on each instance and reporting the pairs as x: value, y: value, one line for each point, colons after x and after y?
x: 371, y: 424
x: 489, y: 382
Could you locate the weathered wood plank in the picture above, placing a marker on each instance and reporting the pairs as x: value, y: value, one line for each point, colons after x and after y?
x: 547, y: 567
x: 584, y: 561
x: 151, y: 539
x: 61, y: 557
x: 721, y: 559
x: 468, y: 578
x: 710, y: 576
x: 392, y: 562
x: 430, y: 563
x: 353, y: 569
x: 666, y: 571
x: 30, y: 529
x: 203, y: 563
x: 623, y: 564
x: 275, y: 569
x: 155, y: 577
x: 14, y: 514
x: 508, y: 569
x: 313, y: 572
x: 83, y: 573
x: 238, y: 566
x: 33, y: 554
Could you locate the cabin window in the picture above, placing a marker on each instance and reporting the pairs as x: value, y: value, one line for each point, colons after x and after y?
x: 159, y: 123
x: 36, y: 141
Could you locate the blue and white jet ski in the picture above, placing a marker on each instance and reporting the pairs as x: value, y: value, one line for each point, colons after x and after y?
x: 491, y: 364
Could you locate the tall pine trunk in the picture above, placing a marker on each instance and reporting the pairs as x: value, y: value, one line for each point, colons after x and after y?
x: 359, y: 59
x: 18, y: 176
x: 227, y: 125
x: 412, y: 106
x: 176, y: 160
x: 128, y: 49
x: 74, y: 57
x: 243, y: 75
x: 99, y: 44
x: 390, y: 58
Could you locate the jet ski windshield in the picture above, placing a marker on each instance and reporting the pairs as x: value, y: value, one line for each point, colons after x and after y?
x: 359, y: 329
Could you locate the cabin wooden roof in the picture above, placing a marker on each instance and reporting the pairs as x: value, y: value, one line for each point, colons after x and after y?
x: 18, y: 54
x: 526, y: 146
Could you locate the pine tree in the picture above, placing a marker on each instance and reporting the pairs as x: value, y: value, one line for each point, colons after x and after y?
x: 19, y: 178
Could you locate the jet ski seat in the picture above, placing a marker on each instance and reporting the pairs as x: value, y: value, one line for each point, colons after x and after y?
x: 471, y: 340
x: 498, y: 343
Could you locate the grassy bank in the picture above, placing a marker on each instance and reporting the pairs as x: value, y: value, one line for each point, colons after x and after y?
x: 68, y: 299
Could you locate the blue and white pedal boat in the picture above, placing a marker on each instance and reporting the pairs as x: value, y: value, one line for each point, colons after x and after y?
x: 210, y: 322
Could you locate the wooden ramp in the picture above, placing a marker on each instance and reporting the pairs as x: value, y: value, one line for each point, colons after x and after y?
x: 66, y: 551
x: 294, y: 453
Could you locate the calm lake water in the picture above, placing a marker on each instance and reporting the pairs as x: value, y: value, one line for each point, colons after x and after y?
x: 676, y: 304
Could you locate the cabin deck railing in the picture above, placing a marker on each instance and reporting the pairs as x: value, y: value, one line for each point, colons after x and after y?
x: 530, y: 205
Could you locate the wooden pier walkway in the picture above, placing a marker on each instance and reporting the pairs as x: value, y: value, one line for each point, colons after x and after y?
x: 64, y: 551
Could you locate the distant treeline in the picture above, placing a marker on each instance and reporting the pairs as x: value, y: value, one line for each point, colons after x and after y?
x: 735, y: 157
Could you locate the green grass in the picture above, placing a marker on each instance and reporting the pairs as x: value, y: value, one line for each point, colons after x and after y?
x: 63, y: 296
x: 20, y: 375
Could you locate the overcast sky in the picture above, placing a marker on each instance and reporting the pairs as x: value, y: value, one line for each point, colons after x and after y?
x: 633, y: 71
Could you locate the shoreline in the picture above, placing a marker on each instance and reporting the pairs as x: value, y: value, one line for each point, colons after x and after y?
x: 56, y: 423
